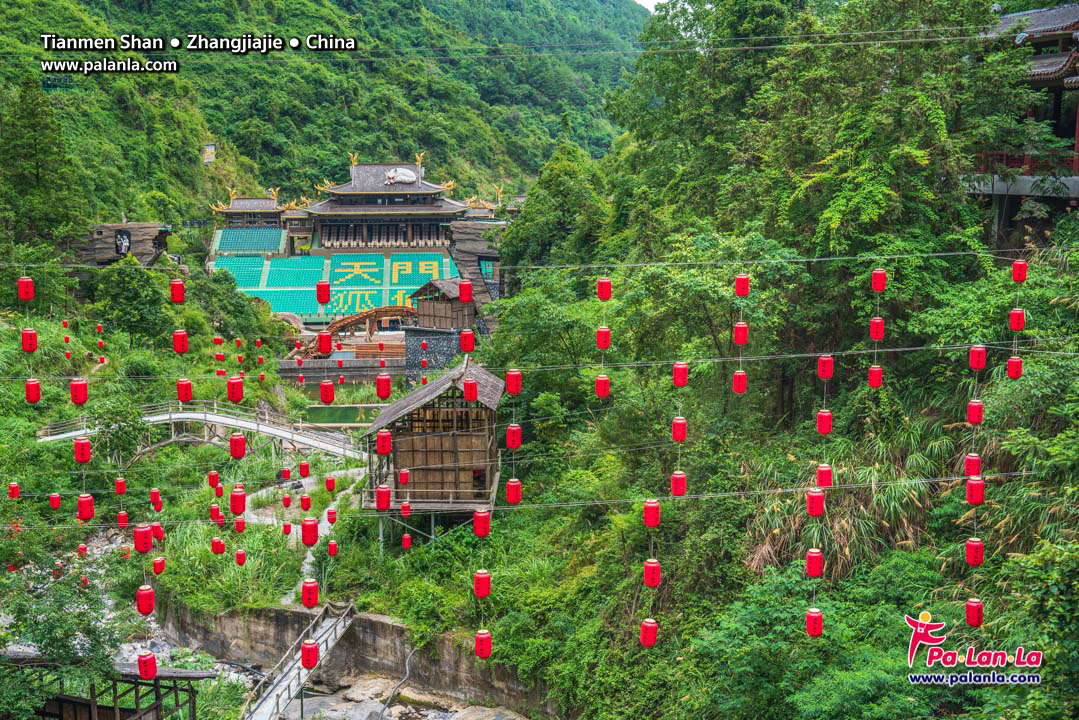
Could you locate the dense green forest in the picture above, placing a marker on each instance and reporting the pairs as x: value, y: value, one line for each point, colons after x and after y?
x: 805, y: 162
x: 487, y: 110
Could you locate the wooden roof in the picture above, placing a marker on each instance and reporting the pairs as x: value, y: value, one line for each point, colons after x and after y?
x: 1060, y: 20
x: 373, y: 179
x: 128, y: 671
x: 450, y: 287
x: 252, y: 204
x: 441, y: 206
x: 467, y: 247
x: 490, y: 393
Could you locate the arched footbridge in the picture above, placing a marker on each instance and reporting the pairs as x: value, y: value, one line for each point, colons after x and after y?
x: 266, y: 423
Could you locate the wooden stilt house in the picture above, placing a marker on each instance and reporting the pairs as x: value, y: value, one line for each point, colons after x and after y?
x: 448, y: 445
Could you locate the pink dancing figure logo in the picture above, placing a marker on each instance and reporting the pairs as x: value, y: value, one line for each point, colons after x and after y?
x: 922, y: 633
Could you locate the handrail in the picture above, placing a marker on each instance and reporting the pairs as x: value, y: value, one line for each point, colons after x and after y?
x: 289, y: 656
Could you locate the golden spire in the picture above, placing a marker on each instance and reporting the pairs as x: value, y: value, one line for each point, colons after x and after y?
x: 353, y: 158
x: 274, y: 192
x: 449, y: 185
x: 232, y: 194
x: 498, y: 194
x: 419, y: 158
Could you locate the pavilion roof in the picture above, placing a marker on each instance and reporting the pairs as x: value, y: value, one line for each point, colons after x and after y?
x: 373, y: 179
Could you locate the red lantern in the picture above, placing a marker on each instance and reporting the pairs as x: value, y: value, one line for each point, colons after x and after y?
x: 741, y: 333
x: 331, y: 483
x: 975, y: 612
x: 975, y: 412
x: 814, y: 622
x: 825, y: 365
x: 513, y: 436
x: 814, y: 562
x: 977, y: 357
x: 339, y: 346
x: 403, y: 476
x: 331, y: 548
x: 382, y: 497
x: 513, y: 382
x: 258, y: 342
x: 331, y: 516
x: 239, y: 525
x: 219, y: 340
x: 652, y: 572
x: 322, y: 292
x: 975, y: 490
x: 241, y: 557
x: 975, y: 552
x: 54, y: 501
x: 651, y: 513
x: 406, y: 508
x: 824, y: 476
x: 423, y: 380
x: 468, y: 341
x: 1015, y: 367
x: 1017, y: 319
x: 815, y: 502
x: 29, y: 340
x: 147, y: 665
x: 876, y: 329
x: 513, y: 491
x: 144, y: 539
x: 972, y: 464
x: 99, y: 327
x: 603, y: 289
x: 299, y: 363
x: 286, y: 500
x: 85, y: 505
x: 237, y: 500
x: 678, y: 483
x: 240, y: 361
x: 286, y: 527
x: 217, y: 546
x: 260, y: 360
x: 741, y: 285
x: 183, y: 390
x: 212, y: 478
x: 325, y: 392
x: 121, y: 486
x: 101, y: 344
x: 309, y: 593
x: 341, y: 380
x: 309, y: 649
x: 383, y: 442
x: 1019, y: 271
x: 235, y: 389
x: 603, y: 337
x: 471, y: 390
x: 13, y: 490
x: 214, y: 511
x: 680, y: 374
x: 465, y: 289
x: 305, y: 468
x: 237, y: 446
x: 483, y: 644
x: 262, y: 376
x: 176, y: 291
x: 82, y: 450
x: 876, y: 376
x: 159, y: 565
x: 879, y: 280
x: 481, y: 523
x: 219, y: 357
x: 649, y: 632
x: 423, y: 344
x: 383, y: 386
x: 382, y: 346
x: 678, y: 429
x: 824, y: 422
x: 101, y: 360
x: 121, y: 519
x: 144, y: 599
x: 33, y: 391
x: 26, y: 289
x: 738, y: 382
x: 481, y: 584
x: 325, y: 343
x: 219, y: 491
x: 157, y: 531
x: 603, y: 386
x: 305, y: 502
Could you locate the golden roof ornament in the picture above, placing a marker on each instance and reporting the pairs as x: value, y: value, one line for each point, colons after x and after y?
x: 419, y: 158
x: 274, y: 192
x: 353, y: 158
x: 449, y: 186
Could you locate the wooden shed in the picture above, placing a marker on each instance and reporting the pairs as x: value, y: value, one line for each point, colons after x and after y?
x: 108, y: 243
x: 448, y: 445
x: 438, y: 305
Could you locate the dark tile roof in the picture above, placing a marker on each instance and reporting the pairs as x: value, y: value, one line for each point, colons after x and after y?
x: 1051, y: 65
x: 450, y: 287
x: 294, y: 213
x: 1041, y: 21
x: 372, y: 178
x: 248, y: 204
x: 490, y: 393
x: 442, y: 206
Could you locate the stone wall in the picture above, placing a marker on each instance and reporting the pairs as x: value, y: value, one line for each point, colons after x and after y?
x: 373, y: 644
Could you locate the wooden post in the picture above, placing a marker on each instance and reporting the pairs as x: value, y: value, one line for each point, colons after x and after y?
x: 93, y: 701
x: 1075, y: 155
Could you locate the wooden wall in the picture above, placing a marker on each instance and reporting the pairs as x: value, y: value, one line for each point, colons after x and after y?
x: 444, y: 314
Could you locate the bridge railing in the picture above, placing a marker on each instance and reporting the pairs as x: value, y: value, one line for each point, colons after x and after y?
x: 263, y: 417
x: 338, y: 613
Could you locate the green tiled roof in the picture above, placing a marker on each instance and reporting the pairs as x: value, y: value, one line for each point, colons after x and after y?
x: 300, y: 301
x: 247, y: 269
x: 255, y: 239
x: 295, y: 272
x: 356, y: 270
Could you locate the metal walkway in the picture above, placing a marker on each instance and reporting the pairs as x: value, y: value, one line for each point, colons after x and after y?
x: 268, y: 699
x: 231, y: 416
